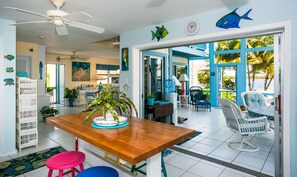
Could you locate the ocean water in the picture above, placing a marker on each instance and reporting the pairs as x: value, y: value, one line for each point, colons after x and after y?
x: 259, y: 86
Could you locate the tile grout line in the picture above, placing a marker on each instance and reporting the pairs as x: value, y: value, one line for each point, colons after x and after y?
x: 220, y: 162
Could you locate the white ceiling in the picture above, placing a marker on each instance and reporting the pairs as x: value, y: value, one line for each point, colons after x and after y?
x: 116, y: 16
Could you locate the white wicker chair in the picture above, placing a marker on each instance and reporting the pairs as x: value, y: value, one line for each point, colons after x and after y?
x: 245, y: 126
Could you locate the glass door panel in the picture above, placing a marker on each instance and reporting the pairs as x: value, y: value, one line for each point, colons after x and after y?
x: 61, y: 84
x: 153, y: 81
x: 51, y: 80
x: 227, y: 82
x: 55, y: 78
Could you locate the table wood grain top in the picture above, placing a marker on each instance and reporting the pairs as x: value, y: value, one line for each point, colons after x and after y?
x: 134, y: 143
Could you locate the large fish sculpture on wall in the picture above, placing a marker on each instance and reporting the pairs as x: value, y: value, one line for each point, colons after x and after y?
x: 232, y: 20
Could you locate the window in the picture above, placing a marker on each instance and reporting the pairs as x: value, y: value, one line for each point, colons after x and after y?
x: 107, y: 74
x: 227, y: 45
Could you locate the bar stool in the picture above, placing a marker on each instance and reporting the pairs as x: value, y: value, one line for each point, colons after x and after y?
x: 99, y: 171
x: 66, y: 160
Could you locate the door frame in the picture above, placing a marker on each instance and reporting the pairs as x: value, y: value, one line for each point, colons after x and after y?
x: 281, y: 27
x: 164, y: 74
x: 30, y: 57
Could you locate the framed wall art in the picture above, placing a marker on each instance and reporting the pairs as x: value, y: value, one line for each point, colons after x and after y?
x: 80, y: 71
x: 125, y: 59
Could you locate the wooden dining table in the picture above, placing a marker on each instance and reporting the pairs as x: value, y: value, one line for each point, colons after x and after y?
x: 140, y: 140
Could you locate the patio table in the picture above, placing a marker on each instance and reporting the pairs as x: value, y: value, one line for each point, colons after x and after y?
x: 257, y: 111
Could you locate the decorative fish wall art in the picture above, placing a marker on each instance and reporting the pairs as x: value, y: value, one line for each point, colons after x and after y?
x: 160, y: 33
x: 9, y: 69
x: 40, y: 70
x: 232, y: 20
x: 9, y: 81
x: 9, y: 57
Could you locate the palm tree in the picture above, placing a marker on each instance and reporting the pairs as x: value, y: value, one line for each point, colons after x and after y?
x: 257, y: 62
x: 260, y: 61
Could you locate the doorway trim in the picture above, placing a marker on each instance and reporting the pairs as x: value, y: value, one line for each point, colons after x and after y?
x: 282, y: 27
x: 30, y: 57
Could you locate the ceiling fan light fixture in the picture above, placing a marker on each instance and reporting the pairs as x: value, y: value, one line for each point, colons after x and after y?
x: 58, y: 22
x: 56, y: 13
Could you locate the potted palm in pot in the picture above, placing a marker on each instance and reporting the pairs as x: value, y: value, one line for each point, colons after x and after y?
x: 107, y: 101
x: 71, y: 94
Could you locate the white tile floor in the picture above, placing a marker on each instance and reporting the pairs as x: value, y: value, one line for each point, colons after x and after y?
x: 212, y: 142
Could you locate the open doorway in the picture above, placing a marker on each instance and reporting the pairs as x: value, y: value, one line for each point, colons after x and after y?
x: 279, y: 167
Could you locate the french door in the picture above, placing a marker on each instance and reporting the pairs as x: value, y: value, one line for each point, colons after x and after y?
x: 55, y: 78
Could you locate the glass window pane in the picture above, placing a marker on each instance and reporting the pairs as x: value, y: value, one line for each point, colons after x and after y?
x: 227, y: 58
x: 105, y: 81
x: 227, y: 82
x: 260, y: 41
x: 200, y: 74
x: 260, y: 71
x: 102, y: 72
x: 227, y: 45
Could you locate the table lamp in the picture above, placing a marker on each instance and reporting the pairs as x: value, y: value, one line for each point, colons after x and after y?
x: 176, y: 81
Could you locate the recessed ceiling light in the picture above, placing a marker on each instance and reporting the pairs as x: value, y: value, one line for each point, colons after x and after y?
x: 41, y: 37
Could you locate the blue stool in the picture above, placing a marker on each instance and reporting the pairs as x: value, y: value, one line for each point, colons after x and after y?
x: 99, y: 171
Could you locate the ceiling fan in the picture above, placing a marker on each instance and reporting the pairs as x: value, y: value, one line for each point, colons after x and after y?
x: 61, y: 19
x: 72, y: 57
x: 155, y: 3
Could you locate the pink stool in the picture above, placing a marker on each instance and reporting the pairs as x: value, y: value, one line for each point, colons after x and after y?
x: 66, y: 160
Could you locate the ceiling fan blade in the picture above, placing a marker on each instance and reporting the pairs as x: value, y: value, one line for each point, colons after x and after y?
x: 61, y: 30
x: 83, y: 59
x: 27, y: 11
x: 78, y: 16
x: 29, y: 22
x: 155, y: 3
x: 84, y: 26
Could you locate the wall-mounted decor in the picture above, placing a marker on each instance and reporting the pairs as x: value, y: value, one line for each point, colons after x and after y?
x: 232, y: 20
x: 40, y: 70
x: 80, y: 71
x: 160, y: 33
x: 9, y: 69
x: 192, y: 27
x: 9, y: 81
x: 9, y: 57
x: 125, y: 59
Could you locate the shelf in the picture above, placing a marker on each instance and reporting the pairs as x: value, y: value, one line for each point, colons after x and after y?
x: 26, y: 123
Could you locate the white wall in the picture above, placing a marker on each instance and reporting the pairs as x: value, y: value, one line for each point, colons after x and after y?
x: 7, y: 93
x: 264, y: 12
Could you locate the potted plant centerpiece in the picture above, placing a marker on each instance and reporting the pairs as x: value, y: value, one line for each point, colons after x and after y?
x: 48, y: 111
x: 70, y: 94
x: 151, y: 99
x: 107, y: 101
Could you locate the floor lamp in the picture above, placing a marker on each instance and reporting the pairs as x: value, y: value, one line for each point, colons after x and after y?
x: 183, y: 78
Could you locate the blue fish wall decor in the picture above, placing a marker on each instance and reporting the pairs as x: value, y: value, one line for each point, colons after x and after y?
x: 232, y: 20
x: 40, y: 70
